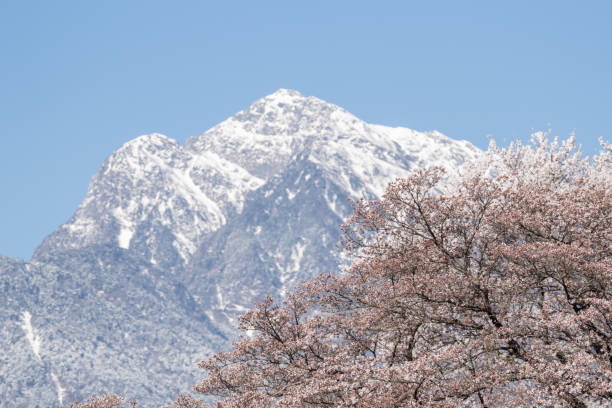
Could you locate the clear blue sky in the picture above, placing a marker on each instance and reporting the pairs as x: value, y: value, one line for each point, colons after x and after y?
x: 79, y: 79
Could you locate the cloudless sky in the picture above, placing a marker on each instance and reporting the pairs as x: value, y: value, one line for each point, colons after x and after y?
x: 80, y: 78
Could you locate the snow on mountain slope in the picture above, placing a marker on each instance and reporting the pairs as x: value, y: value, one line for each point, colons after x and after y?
x: 286, y: 234
x: 265, y: 137
x: 155, y: 198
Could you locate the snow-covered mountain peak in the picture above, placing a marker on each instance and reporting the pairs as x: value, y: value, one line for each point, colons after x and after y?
x: 149, y: 141
x: 287, y: 113
x: 157, y: 198
x: 284, y: 95
x: 144, y: 156
x: 264, y: 137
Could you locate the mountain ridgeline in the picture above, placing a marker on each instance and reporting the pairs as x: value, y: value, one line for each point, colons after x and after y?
x: 172, y: 242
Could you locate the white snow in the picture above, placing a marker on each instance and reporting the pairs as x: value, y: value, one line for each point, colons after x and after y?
x: 288, y: 273
x: 154, y: 176
x: 126, y: 228
x: 33, y: 338
x: 332, y: 202
x: 124, y: 237
x: 220, y: 301
x: 61, y: 391
x: 297, y: 253
x: 210, y: 315
x: 187, y: 189
x: 361, y: 158
x: 290, y: 194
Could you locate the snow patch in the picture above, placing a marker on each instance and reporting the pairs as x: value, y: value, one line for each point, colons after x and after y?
x: 290, y: 194
x: 211, y: 316
x: 61, y: 391
x: 332, y: 203
x: 124, y: 238
x: 31, y: 335
x: 126, y: 228
x: 297, y: 254
x: 220, y: 297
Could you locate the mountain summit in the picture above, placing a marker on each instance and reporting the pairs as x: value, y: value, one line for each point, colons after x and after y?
x: 172, y: 242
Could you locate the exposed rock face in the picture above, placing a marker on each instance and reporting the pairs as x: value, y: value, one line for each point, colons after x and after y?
x: 172, y: 242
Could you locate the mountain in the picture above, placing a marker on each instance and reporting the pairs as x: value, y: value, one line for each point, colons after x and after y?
x: 172, y: 242
x: 155, y: 198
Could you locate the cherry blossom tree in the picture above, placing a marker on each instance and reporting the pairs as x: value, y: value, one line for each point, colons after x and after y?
x: 492, y: 289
